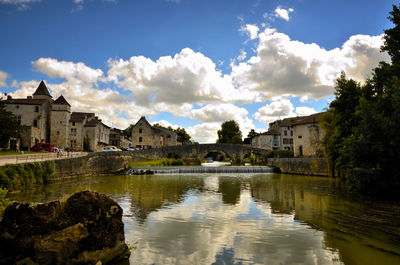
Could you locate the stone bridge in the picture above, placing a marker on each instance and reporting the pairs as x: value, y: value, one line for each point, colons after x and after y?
x: 201, y: 150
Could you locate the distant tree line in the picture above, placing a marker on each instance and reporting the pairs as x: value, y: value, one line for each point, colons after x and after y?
x: 362, y: 124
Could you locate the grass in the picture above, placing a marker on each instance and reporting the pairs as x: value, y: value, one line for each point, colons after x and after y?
x: 8, y: 153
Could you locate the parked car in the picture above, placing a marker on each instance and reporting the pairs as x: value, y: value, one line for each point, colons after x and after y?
x: 131, y: 149
x: 48, y: 147
x: 110, y: 149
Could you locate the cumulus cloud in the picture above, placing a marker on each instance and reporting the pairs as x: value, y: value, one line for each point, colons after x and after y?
x: 188, y: 77
x: 69, y: 70
x: 283, y: 13
x: 281, y: 108
x: 251, y: 30
x: 3, y: 78
x: 242, y: 55
x: 204, y: 132
x: 283, y: 66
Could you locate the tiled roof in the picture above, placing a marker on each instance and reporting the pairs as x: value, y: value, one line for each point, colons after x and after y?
x: 314, y: 118
x: 61, y: 101
x: 42, y: 90
x: 80, y: 116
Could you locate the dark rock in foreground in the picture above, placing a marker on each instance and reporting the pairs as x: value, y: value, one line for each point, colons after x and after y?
x: 85, y: 229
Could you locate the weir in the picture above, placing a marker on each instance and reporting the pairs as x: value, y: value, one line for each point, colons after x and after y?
x: 198, y: 169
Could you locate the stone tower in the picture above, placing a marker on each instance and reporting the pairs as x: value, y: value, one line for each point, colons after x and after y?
x: 60, y: 116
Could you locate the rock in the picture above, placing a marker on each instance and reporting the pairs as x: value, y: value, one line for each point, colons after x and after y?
x: 85, y: 229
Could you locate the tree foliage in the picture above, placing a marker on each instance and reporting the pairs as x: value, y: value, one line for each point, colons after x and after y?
x: 247, y: 140
x: 230, y: 133
x: 9, y: 127
x: 362, y: 140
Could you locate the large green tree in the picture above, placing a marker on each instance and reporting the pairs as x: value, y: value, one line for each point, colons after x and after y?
x: 9, y: 127
x: 362, y: 125
x: 230, y: 133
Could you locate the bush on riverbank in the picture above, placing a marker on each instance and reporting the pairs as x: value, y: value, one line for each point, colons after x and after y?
x: 12, y: 176
x: 166, y: 162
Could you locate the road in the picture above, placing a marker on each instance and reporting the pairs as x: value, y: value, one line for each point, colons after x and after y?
x: 40, y: 156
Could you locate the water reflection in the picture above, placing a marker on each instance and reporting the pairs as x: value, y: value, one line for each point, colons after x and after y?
x: 243, y: 219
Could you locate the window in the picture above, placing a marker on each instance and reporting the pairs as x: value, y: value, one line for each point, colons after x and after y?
x: 291, y: 133
x: 17, y: 107
x: 73, y: 131
x: 291, y: 141
x: 58, y: 132
x: 299, y: 136
x: 285, y: 132
x: 36, y: 108
x: 168, y: 136
x: 140, y: 139
x: 73, y: 123
x: 140, y: 130
x: 35, y: 124
x: 60, y: 122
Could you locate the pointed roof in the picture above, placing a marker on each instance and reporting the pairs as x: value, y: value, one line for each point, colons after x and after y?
x: 61, y: 101
x: 42, y: 90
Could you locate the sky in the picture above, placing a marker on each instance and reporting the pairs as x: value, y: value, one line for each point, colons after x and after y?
x: 190, y: 63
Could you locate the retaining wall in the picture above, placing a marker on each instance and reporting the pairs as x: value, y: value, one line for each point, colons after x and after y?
x: 300, y: 165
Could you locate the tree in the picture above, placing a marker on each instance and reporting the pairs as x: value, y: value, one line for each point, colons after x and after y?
x: 230, y: 133
x: 362, y: 140
x: 247, y: 140
x: 128, y: 131
x: 9, y: 127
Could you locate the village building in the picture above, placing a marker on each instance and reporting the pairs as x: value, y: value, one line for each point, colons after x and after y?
x: 284, y: 127
x: 308, y: 136
x: 268, y: 140
x: 119, y: 139
x: 146, y: 136
x: 46, y: 120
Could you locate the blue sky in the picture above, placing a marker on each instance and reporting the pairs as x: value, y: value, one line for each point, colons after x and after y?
x: 190, y: 63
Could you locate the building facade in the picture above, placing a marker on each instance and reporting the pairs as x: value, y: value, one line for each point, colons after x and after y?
x: 43, y: 119
x: 146, y: 136
x: 285, y: 129
x: 308, y: 136
x: 119, y: 139
x: 268, y: 140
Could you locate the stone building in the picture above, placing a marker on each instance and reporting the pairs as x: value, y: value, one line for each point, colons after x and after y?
x: 119, y: 139
x: 307, y: 135
x: 268, y: 140
x: 146, y: 136
x: 43, y: 119
x: 285, y: 129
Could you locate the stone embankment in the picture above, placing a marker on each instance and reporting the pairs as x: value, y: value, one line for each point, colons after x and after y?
x: 84, y: 229
x: 199, y: 169
x: 315, y: 166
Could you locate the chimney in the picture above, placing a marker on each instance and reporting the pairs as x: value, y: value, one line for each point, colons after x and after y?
x: 9, y: 97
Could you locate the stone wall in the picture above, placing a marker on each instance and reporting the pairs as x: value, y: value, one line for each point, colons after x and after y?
x: 300, y: 165
x: 94, y: 163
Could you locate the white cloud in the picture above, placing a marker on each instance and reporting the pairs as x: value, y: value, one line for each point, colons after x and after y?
x: 3, y: 78
x: 21, y: 4
x: 251, y: 30
x: 188, y: 77
x: 242, y: 55
x: 166, y: 124
x: 281, y: 108
x: 283, y: 13
x: 69, y: 70
x: 283, y: 66
x: 204, y: 132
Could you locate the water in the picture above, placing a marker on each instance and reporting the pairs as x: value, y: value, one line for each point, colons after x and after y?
x: 242, y: 219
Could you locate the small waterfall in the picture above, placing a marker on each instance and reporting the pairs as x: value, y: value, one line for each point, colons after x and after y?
x: 187, y: 170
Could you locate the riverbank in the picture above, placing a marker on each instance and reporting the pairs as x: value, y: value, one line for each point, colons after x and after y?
x: 204, y: 169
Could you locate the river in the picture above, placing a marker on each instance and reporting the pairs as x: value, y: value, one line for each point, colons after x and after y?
x: 242, y: 219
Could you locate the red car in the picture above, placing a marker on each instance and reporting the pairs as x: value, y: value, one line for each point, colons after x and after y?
x: 43, y: 147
